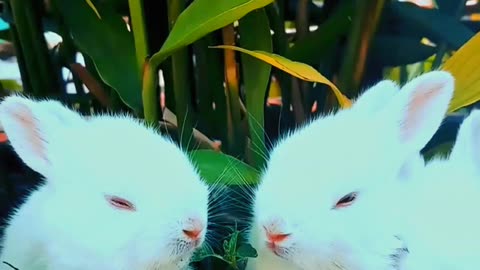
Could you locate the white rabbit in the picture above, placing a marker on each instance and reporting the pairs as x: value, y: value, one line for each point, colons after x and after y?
x: 117, y: 194
x: 328, y: 197
x: 442, y: 215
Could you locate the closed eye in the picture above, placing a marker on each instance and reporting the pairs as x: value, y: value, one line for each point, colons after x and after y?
x: 346, y: 200
x: 120, y: 203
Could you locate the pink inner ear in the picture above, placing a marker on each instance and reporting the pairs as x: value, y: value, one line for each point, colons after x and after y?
x: 31, y: 132
x: 416, y: 108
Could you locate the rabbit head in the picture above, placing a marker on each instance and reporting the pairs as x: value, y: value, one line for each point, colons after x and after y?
x: 116, y: 192
x: 327, y: 198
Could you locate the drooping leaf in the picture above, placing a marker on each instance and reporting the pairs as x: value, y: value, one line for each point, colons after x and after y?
x: 464, y: 66
x: 297, y: 69
x: 109, y: 44
x: 255, y: 34
x: 219, y: 168
x: 202, y: 17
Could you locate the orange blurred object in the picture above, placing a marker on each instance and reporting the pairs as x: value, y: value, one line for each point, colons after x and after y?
x: 3, y: 137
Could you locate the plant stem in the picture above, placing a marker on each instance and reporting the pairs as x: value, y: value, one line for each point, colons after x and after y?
x: 139, y: 33
x: 181, y: 80
x: 150, y: 95
x: 232, y: 84
x: 280, y: 46
x: 301, y: 20
x: 365, y: 23
x: 22, y: 64
x: 22, y: 26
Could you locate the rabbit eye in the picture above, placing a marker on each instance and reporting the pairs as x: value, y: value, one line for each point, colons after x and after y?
x: 346, y: 200
x: 120, y: 203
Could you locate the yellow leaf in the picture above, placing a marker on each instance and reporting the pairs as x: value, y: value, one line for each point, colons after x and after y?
x: 92, y: 6
x: 464, y: 66
x: 297, y: 69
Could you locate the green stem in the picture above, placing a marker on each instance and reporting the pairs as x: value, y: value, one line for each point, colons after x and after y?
x: 233, y: 95
x: 181, y: 81
x: 44, y: 79
x: 151, y: 102
x: 139, y: 32
x: 23, y: 31
x: 365, y: 23
x: 22, y: 64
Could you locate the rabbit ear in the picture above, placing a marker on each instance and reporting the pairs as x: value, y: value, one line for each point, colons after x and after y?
x: 375, y: 97
x: 467, y: 144
x: 30, y: 125
x: 417, y: 111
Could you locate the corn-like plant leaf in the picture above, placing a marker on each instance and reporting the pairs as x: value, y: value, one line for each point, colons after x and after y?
x: 219, y: 168
x: 110, y: 46
x: 255, y: 34
x: 463, y: 65
x: 297, y: 69
x: 202, y: 17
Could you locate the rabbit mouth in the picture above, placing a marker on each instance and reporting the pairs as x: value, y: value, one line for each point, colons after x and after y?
x: 279, y: 251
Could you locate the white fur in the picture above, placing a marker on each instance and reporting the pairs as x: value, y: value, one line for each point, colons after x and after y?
x: 362, y: 149
x: 68, y: 224
x: 442, y: 213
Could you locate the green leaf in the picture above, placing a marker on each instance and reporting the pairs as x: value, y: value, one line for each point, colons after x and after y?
x: 109, y: 44
x: 202, y: 17
x: 319, y: 43
x: 202, y: 253
x: 219, y: 168
x: 246, y: 251
x: 433, y: 24
x: 391, y: 51
x: 255, y: 35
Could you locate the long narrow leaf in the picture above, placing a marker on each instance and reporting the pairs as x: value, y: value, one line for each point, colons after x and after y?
x: 255, y: 34
x: 297, y: 69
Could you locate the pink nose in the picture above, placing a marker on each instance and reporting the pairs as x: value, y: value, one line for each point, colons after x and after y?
x: 277, y: 238
x: 193, y: 234
x: 193, y: 229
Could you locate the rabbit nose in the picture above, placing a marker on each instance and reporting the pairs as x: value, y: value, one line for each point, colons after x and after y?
x: 194, y: 229
x: 277, y: 238
x: 193, y: 234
